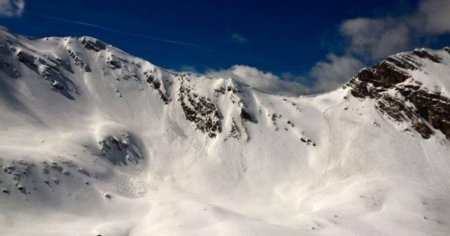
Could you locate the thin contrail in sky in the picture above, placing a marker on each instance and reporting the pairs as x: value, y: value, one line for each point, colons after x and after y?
x: 117, y: 31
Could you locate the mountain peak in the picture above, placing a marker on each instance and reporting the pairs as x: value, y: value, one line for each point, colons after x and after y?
x: 405, y: 91
x: 89, y: 131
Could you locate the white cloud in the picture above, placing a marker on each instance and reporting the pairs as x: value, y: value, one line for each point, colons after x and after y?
x: 376, y: 38
x: 328, y: 75
x: 261, y: 80
x: 334, y: 72
x: 11, y: 8
x: 433, y: 17
x: 371, y: 39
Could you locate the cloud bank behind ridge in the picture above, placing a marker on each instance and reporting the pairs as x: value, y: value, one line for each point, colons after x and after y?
x: 11, y: 8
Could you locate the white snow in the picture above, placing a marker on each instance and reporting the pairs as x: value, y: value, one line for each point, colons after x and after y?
x: 358, y: 174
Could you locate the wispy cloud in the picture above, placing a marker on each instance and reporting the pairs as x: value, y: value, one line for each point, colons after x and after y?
x: 11, y: 8
x: 238, y: 38
x: 109, y: 29
x: 187, y: 68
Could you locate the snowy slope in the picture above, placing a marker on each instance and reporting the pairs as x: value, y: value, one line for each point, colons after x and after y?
x: 97, y: 142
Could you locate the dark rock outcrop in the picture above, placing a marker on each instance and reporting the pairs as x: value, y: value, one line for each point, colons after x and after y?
x: 235, y: 132
x: 156, y: 84
x: 247, y: 116
x: 27, y: 59
x: 93, y: 44
x: 78, y: 61
x: 201, y: 111
x: 114, y: 63
x: 410, y: 102
x: 120, y: 150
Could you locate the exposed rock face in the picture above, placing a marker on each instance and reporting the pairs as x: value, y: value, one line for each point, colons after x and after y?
x: 27, y: 59
x: 78, y: 61
x: 23, y: 175
x: 51, y: 69
x: 247, y: 116
x: 408, y: 102
x: 156, y: 84
x: 93, y: 44
x: 18, y: 170
x: 235, y: 131
x: 200, y: 110
x: 114, y: 62
x: 432, y: 107
x: 120, y: 150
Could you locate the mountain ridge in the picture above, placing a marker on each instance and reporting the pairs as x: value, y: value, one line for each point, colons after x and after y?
x: 91, y: 134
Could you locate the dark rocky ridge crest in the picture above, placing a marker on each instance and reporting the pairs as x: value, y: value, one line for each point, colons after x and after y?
x: 93, y: 44
x: 412, y: 102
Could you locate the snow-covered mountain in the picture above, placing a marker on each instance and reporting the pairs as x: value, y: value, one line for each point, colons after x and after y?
x: 94, y: 141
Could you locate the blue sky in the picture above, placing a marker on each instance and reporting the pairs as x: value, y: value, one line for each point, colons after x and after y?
x: 313, y: 42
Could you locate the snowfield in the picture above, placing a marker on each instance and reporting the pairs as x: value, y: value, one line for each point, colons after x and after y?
x: 94, y: 141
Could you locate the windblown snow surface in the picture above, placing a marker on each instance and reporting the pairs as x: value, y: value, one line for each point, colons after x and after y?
x: 94, y: 141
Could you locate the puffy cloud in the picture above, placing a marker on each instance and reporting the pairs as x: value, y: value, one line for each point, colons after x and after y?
x: 371, y: 39
x: 328, y: 75
x: 433, y: 17
x: 376, y: 38
x: 261, y: 80
x: 334, y: 72
x: 11, y: 8
x: 380, y: 37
